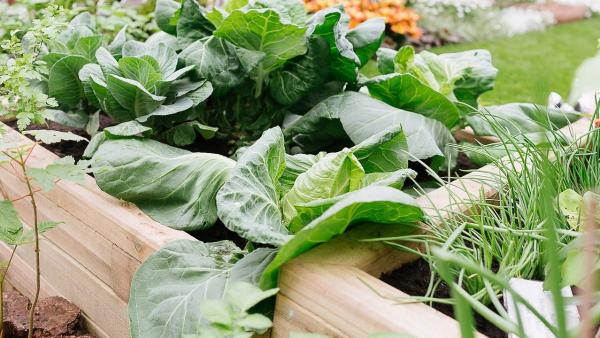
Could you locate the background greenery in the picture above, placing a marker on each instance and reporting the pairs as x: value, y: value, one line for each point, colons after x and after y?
x: 533, y: 64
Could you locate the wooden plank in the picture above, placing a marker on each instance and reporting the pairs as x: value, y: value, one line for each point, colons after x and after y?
x: 343, y: 297
x: 5, y: 118
x: 92, y: 328
x: 118, y: 237
x: 467, y: 135
x: 68, y: 278
x: 73, y: 236
x: 349, y: 250
x: 125, y: 225
x: 294, y: 319
x: 21, y: 274
x: 123, y: 267
x: 95, y: 252
x: 100, y: 256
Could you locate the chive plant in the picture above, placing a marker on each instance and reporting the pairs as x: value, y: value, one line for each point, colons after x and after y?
x: 518, y: 233
x: 464, y: 302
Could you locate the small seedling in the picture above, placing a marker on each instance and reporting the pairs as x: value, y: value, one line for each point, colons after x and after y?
x: 230, y: 317
x: 12, y: 230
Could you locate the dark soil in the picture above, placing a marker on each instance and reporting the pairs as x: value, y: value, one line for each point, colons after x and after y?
x: 431, y: 40
x: 54, y: 317
x: 413, y: 279
x: 464, y: 165
x: 426, y: 41
x: 214, y: 145
x: 219, y: 232
x: 215, y: 233
x: 66, y: 148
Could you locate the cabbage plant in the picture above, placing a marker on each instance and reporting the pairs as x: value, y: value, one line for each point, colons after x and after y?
x: 74, y: 48
x: 144, y: 85
x: 267, y: 59
x: 127, y: 80
x: 430, y: 96
x: 286, y: 203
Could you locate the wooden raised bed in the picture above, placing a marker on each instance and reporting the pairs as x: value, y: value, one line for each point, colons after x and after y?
x: 334, y: 289
x: 91, y: 258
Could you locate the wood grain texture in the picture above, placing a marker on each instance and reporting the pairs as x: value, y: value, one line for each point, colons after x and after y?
x: 20, y: 277
x: 71, y: 280
x: 345, y: 300
x: 297, y: 319
x: 90, y: 259
x: 125, y: 225
x: 321, y: 284
x: 467, y: 135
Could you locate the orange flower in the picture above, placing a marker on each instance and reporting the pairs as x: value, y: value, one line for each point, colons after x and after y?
x: 597, y: 123
x: 400, y: 19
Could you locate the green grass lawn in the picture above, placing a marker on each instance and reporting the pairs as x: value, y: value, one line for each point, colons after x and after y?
x: 534, y: 64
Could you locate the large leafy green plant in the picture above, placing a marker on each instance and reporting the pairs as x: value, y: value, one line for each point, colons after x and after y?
x: 174, y: 186
x: 289, y: 202
x: 429, y: 95
x: 332, y: 192
x: 230, y: 317
x: 67, y: 55
x: 267, y: 59
x: 127, y: 80
x: 356, y: 117
x: 144, y: 85
x: 459, y: 77
x: 163, y: 303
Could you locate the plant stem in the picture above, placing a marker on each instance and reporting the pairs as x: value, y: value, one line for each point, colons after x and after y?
x: 37, y: 245
x: 2, y: 278
x: 259, y: 82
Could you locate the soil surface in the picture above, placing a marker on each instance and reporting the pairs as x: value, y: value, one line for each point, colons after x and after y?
x: 218, y: 232
x: 431, y: 40
x: 464, y: 165
x: 213, y: 145
x: 66, y: 148
x: 413, y: 279
x: 54, y: 317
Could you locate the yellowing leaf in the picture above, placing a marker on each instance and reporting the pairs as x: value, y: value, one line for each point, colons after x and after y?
x: 570, y: 203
